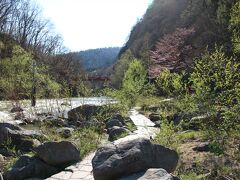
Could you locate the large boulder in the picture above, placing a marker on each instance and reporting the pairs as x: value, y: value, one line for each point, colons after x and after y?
x: 93, y: 122
x: 117, y: 132
x: 58, y: 153
x: 29, y: 167
x: 84, y: 112
x: 151, y: 174
x: 114, y: 161
x: 23, y: 140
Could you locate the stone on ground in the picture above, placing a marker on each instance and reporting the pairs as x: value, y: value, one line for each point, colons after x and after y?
x: 58, y: 153
x: 29, y: 167
x: 114, y: 161
x: 151, y: 174
x: 84, y: 112
x: 117, y: 132
x: 22, y: 140
x: 113, y: 122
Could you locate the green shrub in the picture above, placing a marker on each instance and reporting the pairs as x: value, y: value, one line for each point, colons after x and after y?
x: 134, y: 80
x: 169, y: 84
x: 215, y: 81
x: 16, y: 78
x: 167, y: 135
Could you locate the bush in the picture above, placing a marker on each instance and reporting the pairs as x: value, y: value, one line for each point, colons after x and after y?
x: 135, y: 83
x: 167, y: 136
x: 169, y: 84
x: 215, y: 81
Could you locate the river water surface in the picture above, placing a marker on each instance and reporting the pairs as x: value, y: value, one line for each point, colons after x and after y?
x: 58, y: 107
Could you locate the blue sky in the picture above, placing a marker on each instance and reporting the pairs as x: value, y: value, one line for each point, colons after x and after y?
x: 89, y: 24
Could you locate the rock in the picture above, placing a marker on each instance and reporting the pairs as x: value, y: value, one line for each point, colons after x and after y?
x: 16, y: 109
x: 10, y: 126
x: 58, y: 153
x: 84, y: 112
x: 154, y: 117
x: 117, y: 132
x: 23, y: 160
x: 65, y: 132
x: 203, y: 147
x: 113, y: 122
x: 29, y: 167
x: 88, y: 124
x: 17, y: 137
x: 6, y: 152
x: 151, y: 174
x: 52, y: 121
x: 114, y: 161
x: 119, y: 118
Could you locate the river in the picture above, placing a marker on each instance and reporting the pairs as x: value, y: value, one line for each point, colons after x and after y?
x: 58, y: 107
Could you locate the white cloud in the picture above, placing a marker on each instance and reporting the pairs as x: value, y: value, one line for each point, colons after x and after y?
x: 88, y: 24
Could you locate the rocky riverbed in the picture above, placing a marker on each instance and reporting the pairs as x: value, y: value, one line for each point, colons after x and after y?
x: 126, y: 153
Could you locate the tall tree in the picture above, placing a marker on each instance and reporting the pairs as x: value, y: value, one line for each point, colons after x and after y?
x: 170, y: 52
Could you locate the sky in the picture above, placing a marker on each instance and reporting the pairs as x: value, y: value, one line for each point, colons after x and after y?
x: 90, y: 24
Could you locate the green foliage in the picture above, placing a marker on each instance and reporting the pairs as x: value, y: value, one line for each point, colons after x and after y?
x: 11, y: 161
x: 46, y: 86
x: 189, y: 135
x: 216, y: 83
x: 88, y: 141
x: 134, y: 78
x: 167, y: 136
x: 169, y: 84
x: 118, y: 95
x: 134, y: 82
x: 235, y: 26
x: 15, y: 80
x: 216, y: 148
x: 216, y: 78
x: 120, y: 67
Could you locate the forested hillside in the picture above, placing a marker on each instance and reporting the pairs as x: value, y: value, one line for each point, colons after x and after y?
x: 208, y: 19
x: 29, y: 61
x: 97, y: 58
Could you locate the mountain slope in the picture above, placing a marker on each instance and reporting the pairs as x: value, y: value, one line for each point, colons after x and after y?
x: 207, y: 17
x: 97, y: 58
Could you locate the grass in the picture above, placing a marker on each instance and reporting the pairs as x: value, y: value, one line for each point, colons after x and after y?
x: 87, y: 140
x: 190, y: 135
x: 9, y: 163
x: 145, y: 101
x: 207, y: 165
